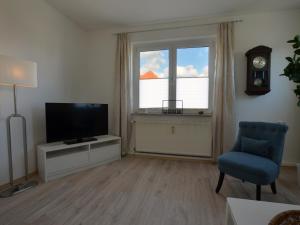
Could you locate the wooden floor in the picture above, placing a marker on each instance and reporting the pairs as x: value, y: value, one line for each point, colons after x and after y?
x: 138, y: 191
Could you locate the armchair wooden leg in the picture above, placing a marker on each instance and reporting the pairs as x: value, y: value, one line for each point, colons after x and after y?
x: 273, y: 187
x: 220, y: 182
x: 258, y: 192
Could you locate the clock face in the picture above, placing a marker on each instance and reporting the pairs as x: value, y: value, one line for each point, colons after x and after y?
x: 259, y: 62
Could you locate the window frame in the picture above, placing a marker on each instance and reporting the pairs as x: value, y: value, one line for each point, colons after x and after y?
x: 172, y: 46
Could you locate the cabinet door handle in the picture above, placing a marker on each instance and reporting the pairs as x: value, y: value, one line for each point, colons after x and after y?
x: 173, y: 130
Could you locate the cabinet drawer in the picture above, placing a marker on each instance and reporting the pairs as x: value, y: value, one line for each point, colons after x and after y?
x: 100, y: 153
x: 69, y: 161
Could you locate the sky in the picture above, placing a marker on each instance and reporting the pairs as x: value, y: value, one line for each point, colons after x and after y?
x: 191, y: 62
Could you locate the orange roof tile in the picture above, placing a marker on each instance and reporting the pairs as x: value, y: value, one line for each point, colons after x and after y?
x: 148, y: 75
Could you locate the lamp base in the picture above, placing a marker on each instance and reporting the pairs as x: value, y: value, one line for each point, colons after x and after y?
x: 16, y: 189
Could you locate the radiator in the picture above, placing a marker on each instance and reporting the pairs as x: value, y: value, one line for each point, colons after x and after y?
x: 173, y: 135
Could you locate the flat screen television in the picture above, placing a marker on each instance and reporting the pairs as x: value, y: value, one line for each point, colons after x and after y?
x: 75, y: 122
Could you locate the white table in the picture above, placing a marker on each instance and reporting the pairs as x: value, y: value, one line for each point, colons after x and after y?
x: 249, y: 212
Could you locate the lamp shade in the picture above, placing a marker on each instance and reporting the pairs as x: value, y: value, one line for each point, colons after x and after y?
x: 17, y: 72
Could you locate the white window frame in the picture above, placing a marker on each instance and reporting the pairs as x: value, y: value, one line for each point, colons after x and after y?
x: 172, y: 46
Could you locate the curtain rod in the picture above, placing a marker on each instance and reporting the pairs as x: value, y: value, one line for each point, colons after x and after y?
x: 177, y: 27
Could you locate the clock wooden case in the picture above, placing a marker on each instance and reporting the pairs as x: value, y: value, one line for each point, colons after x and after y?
x: 258, y: 70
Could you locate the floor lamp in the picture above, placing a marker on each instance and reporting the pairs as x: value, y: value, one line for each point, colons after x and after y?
x: 17, y: 73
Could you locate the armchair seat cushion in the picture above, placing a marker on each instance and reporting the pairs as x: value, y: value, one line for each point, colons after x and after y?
x: 248, y: 167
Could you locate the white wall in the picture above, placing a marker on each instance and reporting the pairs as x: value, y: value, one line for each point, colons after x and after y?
x: 271, y: 29
x: 35, y: 31
x: 101, y: 66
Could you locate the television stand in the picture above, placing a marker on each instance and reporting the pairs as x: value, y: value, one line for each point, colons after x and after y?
x: 58, y: 159
x: 79, y: 140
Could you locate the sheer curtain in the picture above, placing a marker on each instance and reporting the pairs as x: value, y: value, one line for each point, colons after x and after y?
x: 122, y: 103
x: 224, y: 91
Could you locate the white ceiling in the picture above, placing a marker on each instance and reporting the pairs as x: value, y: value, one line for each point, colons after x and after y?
x: 92, y: 14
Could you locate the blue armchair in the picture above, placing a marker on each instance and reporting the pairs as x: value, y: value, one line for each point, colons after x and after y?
x: 256, y: 156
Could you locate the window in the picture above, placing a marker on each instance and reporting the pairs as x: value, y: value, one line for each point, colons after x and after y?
x: 173, y: 71
x: 192, y: 77
x: 154, y: 75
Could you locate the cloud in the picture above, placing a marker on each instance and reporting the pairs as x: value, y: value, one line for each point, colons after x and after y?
x: 153, y: 61
x: 165, y: 73
x: 184, y: 71
x: 205, y: 71
x: 191, y: 71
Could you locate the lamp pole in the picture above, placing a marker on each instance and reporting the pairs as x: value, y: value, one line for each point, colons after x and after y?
x: 15, y: 100
x: 16, y: 115
x: 15, y: 72
x: 16, y: 188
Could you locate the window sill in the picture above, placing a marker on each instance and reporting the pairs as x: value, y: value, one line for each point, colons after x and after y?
x: 174, y: 115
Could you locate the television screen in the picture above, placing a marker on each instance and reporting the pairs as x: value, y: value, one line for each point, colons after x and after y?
x: 67, y: 121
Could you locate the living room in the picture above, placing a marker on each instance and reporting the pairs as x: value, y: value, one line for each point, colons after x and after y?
x: 166, y: 98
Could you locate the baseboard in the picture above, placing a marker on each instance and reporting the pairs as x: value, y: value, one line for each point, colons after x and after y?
x: 18, y: 181
x: 289, y: 164
x: 202, y: 159
x: 170, y: 157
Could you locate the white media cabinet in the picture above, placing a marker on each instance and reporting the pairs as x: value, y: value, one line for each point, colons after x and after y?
x: 58, y: 159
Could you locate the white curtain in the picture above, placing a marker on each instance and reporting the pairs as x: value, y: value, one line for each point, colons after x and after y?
x: 122, y: 103
x: 224, y: 91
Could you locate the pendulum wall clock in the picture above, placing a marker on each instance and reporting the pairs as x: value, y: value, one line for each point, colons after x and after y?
x: 258, y: 70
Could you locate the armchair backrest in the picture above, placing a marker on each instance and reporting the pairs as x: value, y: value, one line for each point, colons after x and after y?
x: 273, y: 132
